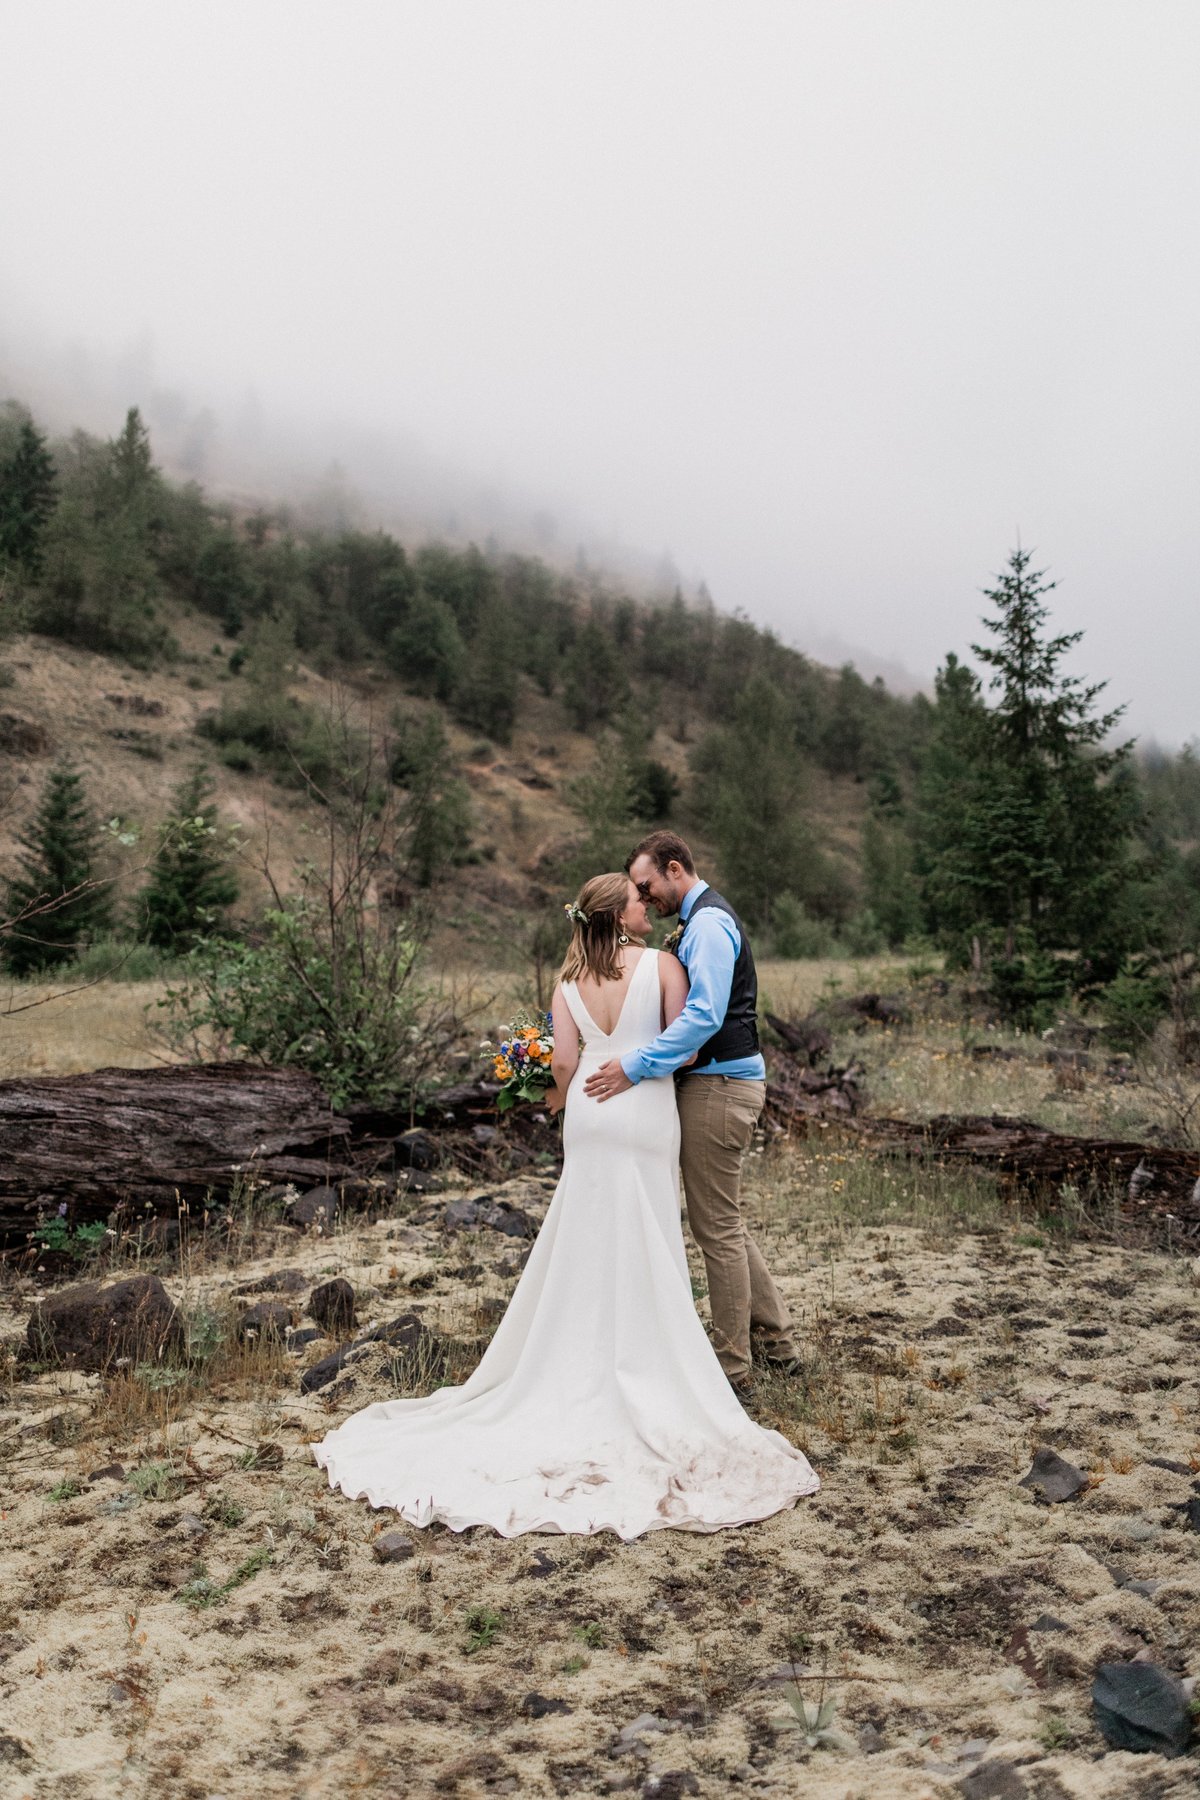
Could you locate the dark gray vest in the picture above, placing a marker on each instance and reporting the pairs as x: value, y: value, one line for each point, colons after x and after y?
x: 738, y: 1033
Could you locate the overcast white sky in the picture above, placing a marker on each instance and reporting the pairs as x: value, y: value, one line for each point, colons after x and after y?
x: 832, y: 300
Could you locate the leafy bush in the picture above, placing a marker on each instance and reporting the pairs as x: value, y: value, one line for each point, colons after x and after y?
x: 119, y: 959
x: 305, y: 994
x: 1028, y: 988
x: 1133, y: 1005
x: 796, y: 934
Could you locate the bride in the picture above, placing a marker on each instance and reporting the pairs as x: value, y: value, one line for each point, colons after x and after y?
x: 599, y: 1405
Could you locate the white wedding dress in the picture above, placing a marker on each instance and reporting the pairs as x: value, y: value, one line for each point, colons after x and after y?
x: 599, y: 1405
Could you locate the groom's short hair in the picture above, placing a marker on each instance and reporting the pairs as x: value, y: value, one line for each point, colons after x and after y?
x: 663, y: 847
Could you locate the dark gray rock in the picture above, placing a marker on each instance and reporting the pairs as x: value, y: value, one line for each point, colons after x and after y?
x: 1164, y: 1462
x: 512, y: 1221
x: 994, y: 1781
x: 671, y: 1784
x: 1048, y: 1622
x: 1052, y: 1478
x: 419, y: 1347
x: 94, y: 1325
x: 416, y: 1150
x: 332, y: 1305
x: 279, y: 1281
x: 268, y: 1319
x: 319, y: 1206
x: 300, y: 1340
x: 392, y: 1547
x: 1147, y: 1589
x: 540, y: 1565
x: 1190, y: 1511
x: 460, y: 1215
x: 538, y: 1706
x: 1140, y: 1707
x: 110, y: 1472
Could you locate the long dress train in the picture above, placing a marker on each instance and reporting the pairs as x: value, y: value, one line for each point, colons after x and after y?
x: 599, y: 1405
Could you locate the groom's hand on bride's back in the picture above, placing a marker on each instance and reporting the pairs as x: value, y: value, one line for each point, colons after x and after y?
x: 608, y: 1080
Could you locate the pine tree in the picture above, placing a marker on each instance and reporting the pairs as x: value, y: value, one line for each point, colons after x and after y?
x: 749, y: 791
x: 435, y: 816
x: 191, y: 883
x: 596, y: 684
x: 1025, y: 822
x: 27, y: 498
x: 57, y: 904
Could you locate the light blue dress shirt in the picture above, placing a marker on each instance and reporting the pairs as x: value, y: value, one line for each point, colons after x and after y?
x: 708, y: 950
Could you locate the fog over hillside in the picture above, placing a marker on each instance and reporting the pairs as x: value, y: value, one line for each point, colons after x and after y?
x: 825, y: 306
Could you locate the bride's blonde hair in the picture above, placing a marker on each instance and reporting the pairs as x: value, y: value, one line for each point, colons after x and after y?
x: 594, y: 948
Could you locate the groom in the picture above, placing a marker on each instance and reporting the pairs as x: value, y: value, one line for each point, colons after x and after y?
x: 720, y: 1096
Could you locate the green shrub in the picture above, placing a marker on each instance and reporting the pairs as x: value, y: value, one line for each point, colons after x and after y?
x: 1133, y: 1004
x: 795, y: 933
x: 338, y: 1000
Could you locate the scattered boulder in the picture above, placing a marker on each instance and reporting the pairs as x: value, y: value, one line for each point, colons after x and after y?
x: 14, y: 1749
x: 332, y: 1305
x: 415, y: 1150
x: 300, y: 1340
x: 93, y: 1325
x: 392, y: 1547
x: 994, y: 1781
x: 460, y: 1215
x: 1140, y: 1707
x: 280, y: 1281
x: 1052, y: 1478
x: 541, y: 1565
x: 318, y: 1207
x: 110, y: 1472
x: 538, y: 1706
x: 1190, y: 1510
x: 408, y: 1334
x: 323, y: 1372
x: 269, y: 1319
x: 495, y: 1215
x: 671, y: 1784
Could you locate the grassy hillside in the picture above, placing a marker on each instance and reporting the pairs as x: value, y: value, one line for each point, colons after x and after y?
x: 134, y: 735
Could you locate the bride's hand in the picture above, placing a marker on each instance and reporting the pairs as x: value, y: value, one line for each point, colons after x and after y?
x: 554, y: 1099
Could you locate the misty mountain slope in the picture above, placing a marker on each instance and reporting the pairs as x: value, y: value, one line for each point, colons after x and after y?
x: 135, y: 733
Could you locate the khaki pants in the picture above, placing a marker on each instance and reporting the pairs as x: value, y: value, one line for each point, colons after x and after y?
x: 717, y: 1115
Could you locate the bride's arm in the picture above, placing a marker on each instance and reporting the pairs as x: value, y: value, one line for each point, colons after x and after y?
x: 566, y: 1052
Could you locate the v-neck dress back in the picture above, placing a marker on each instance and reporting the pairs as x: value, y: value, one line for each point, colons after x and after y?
x: 599, y: 1405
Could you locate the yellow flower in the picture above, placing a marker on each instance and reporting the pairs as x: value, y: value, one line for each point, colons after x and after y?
x: 502, y: 1069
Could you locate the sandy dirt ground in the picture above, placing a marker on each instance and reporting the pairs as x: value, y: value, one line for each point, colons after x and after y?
x: 908, y: 1590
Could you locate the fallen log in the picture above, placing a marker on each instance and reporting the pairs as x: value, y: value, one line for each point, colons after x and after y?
x: 796, y: 1094
x: 142, y: 1136
x: 1151, y: 1180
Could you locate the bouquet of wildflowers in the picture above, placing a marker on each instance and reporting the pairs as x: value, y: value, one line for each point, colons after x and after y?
x: 522, y: 1063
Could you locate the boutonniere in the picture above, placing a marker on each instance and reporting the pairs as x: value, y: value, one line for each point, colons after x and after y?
x: 673, y: 940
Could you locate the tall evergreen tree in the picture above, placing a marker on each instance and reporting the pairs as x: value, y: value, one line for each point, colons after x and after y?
x: 749, y: 794
x: 191, y: 883
x: 57, y: 903
x: 27, y: 498
x: 435, y: 814
x: 1026, y: 824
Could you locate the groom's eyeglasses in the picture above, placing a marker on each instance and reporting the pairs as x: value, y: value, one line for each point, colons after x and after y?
x: 643, y: 888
